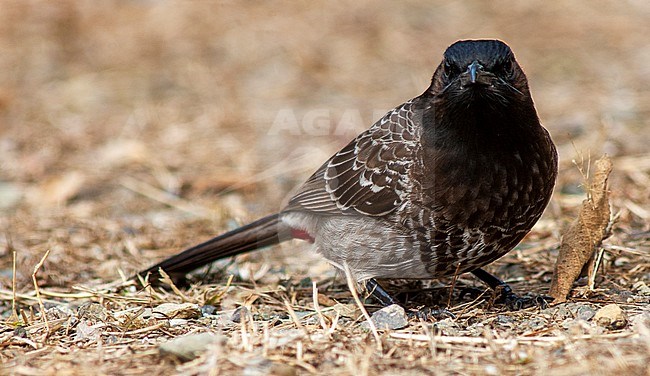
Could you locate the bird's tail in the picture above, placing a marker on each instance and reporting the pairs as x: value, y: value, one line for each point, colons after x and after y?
x: 264, y: 232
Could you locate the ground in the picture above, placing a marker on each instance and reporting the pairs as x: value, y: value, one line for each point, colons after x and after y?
x: 132, y: 129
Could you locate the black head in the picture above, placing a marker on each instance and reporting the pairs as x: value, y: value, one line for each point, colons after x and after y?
x: 480, y: 69
x: 493, y: 55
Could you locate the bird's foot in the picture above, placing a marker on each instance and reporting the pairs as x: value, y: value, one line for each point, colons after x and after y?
x: 505, y: 296
x: 424, y: 313
x: 376, y: 291
x: 515, y: 302
x: 428, y: 313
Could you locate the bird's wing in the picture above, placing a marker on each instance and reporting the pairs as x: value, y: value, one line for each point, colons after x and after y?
x: 370, y: 175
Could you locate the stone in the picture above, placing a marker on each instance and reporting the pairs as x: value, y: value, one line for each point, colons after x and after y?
x: 208, y: 310
x: 611, y: 316
x: 585, y: 312
x: 391, y: 317
x: 447, y: 327
x: 240, y: 312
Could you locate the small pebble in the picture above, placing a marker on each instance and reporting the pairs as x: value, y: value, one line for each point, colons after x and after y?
x: 447, y: 327
x: 585, y: 312
x: 240, y: 312
x: 611, y: 316
x: 563, y: 312
x: 391, y: 317
x: 208, y: 310
x: 505, y: 320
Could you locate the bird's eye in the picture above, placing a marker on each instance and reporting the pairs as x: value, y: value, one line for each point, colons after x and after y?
x: 447, y: 69
x: 507, y: 68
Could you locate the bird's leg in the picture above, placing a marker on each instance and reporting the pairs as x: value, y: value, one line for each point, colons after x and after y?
x: 378, y: 292
x: 506, y: 296
x: 385, y: 299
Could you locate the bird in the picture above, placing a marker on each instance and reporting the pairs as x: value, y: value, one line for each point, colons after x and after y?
x: 443, y: 184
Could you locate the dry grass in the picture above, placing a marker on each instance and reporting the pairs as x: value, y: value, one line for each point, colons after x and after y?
x: 130, y: 129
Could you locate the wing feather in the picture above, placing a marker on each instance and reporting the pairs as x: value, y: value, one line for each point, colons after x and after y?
x: 368, y: 176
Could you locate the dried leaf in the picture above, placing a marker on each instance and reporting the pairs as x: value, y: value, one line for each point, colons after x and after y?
x: 584, y: 235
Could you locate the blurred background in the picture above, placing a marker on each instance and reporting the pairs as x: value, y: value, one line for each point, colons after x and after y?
x: 130, y: 129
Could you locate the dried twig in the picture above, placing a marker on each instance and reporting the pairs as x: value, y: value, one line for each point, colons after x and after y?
x: 293, y: 315
x: 14, y: 313
x: 355, y: 296
x: 453, y: 284
x: 164, y: 278
x: 321, y: 318
x: 38, y: 294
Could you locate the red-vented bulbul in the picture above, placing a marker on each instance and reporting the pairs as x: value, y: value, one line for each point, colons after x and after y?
x: 445, y: 183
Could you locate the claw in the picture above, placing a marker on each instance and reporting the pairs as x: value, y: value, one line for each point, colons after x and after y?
x: 507, y: 297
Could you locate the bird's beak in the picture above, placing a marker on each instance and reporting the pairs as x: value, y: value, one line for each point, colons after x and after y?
x: 472, y: 69
x: 476, y: 76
